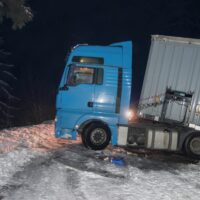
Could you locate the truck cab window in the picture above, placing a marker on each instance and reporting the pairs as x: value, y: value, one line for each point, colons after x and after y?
x: 80, y: 75
x: 91, y: 60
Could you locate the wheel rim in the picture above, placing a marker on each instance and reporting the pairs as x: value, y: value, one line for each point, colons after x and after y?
x: 98, y: 136
x: 195, y: 145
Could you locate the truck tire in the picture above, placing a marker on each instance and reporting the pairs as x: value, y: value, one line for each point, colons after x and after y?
x: 83, y: 139
x: 192, y: 146
x: 97, y: 136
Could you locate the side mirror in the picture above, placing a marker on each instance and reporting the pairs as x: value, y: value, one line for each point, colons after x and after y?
x: 65, y: 87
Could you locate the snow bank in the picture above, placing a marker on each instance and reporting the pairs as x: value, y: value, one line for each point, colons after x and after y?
x: 18, y: 146
x: 38, y: 136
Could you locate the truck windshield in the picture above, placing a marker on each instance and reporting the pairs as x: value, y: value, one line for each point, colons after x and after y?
x: 80, y: 75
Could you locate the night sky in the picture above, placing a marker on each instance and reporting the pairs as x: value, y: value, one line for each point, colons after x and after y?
x: 39, y: 50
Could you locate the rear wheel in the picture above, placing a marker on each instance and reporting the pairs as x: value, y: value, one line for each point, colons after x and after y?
x: 96, y: 136
x: 192, y: 146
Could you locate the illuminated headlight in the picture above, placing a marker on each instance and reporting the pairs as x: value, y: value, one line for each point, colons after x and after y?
x: 129, y: 114
x: 56, y: 119
x: 198, y: 108
x: 77, y: 126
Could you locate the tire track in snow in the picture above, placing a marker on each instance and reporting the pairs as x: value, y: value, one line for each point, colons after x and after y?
x: 75, y: 173
x: 60, y: 171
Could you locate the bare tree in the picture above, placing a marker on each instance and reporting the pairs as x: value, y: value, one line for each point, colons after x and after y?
x: 16, y: 11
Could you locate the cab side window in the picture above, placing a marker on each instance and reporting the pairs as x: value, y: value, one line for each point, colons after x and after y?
x: 80, y: 75
x: 84, y: 75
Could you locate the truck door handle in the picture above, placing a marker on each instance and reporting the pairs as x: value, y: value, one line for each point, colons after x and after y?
x: 90, y: 104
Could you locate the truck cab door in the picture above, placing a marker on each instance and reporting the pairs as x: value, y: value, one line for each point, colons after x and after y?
x: 75, y: 97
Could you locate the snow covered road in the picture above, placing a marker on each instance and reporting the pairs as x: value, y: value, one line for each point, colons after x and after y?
x: 57, y: 170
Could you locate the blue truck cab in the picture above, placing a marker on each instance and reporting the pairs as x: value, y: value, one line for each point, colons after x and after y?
x: 94, y: 94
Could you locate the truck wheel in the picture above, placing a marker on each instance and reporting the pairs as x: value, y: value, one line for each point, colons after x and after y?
x: 97, y: 136
x: 83, y: 139
x: 192, y: 146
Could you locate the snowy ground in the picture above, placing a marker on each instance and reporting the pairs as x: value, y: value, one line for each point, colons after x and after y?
x: 34, y: 165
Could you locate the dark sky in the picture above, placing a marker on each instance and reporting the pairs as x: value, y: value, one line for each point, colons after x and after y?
x: 39, y: 49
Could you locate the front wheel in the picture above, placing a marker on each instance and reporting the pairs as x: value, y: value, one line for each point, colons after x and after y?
x: 97, y: 136
x: 192, y: 146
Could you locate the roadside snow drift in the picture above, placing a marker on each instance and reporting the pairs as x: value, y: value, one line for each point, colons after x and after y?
x: 36, y: 136
x: 35, y: 165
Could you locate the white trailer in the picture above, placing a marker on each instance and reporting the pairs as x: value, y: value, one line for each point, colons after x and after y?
x: 169, y: 106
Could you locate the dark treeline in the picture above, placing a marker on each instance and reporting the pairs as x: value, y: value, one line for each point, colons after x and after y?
x: 38, y: 51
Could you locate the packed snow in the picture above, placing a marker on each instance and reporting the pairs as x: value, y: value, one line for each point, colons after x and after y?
x: 35, y: 165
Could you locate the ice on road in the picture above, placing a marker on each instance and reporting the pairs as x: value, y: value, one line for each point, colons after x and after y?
x: 34, y: 165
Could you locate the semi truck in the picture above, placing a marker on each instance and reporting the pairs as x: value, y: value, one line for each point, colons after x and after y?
x: 94, y: 94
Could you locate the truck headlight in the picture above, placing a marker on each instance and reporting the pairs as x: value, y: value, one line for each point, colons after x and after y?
x: 198, y: 108
x: 129, y: 114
